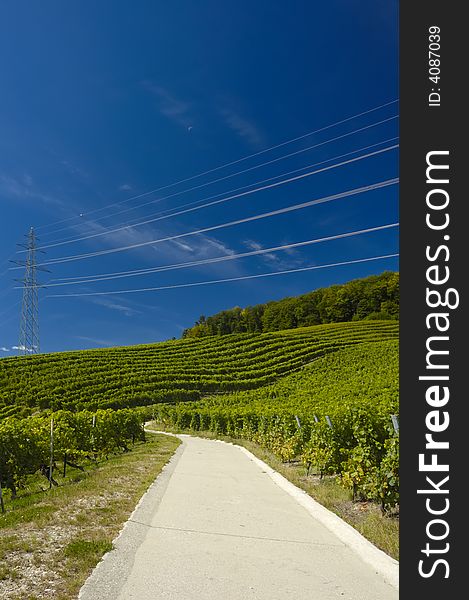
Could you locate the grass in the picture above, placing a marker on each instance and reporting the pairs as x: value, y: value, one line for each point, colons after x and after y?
x: 51, y: 540
x: 365, y: 517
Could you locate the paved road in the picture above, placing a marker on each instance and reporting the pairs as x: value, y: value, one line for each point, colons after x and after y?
x: 216, y: 526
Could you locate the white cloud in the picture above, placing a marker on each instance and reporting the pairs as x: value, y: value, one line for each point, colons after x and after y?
x: 252, y: 245
x: 169, y: 105
x: 125, y: 309
x: 22, y: 348
x: 74, y: 170
x: 246, y: 129
x: 95, y: 341
x: 267, y: 256
x: 125, y: 187
x: 219, y: 245
x: 183, y: 246
x: 197, y: 247
x: 3, y: 349
x: 24, y: 189
x: 277, y: 258
x: 124, y: 237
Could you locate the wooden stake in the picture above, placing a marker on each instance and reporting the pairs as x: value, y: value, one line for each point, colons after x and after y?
x: 51, y: 451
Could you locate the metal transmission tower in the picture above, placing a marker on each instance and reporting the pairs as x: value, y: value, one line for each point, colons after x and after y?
x: 29, y: 328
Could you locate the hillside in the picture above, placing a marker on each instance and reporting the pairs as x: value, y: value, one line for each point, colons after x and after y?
x: 351, y: 378
x: 177, y: 370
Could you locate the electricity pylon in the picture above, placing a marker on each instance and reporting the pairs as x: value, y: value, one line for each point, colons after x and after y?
x: 29, y: 326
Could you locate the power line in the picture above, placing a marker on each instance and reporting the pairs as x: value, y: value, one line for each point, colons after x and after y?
x: 5, y: 262
x: 222, y: 200
x: 186, y: 179
x: 198, y: 187
x: 172, y: 211
x: 14, y: 305
x: 348, y: 134
x: 287, y: 209
x: 7, y: 291
x: 227, y: 280
x: 14, y: 316
x: 8, y: 319
x: 85, y: 279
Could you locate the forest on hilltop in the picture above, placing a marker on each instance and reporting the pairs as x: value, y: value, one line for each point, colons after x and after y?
x: 374, y: 297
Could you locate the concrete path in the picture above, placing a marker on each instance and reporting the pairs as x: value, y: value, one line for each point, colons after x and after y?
x: 216, y: 526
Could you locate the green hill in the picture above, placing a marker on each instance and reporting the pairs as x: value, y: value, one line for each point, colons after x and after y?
x: 350, y: 378
x: 323, y: 395
x: 177, y: 370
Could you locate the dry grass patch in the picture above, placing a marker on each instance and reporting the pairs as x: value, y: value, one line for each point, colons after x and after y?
x: 51, y: 540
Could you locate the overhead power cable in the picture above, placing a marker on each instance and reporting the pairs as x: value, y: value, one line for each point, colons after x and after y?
x: 255, y: 167
x: 208, y: 261
x: 222, y: 200
x: 228, y: 164
x: 169, y: 212
x: 157, y: 200
x: 14, y: 305
x: 272, y: 213
x: 227, y: 280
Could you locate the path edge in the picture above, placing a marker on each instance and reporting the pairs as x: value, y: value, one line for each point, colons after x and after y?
x: 92, y: 587
x: 381, y: 562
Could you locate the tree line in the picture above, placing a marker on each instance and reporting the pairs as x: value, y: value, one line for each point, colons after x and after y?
x: 374, y: 297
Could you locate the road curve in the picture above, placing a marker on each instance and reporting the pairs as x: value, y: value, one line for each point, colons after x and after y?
x: 219, y: 524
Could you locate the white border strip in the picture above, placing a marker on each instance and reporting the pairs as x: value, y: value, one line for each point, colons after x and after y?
x: 368, y: 552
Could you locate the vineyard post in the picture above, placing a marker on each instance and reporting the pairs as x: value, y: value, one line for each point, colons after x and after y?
x: 93, y: 425
x: 51, y: 451
x: 298, y: 422
x: 329, y: 422
x: 395, y: 423
x: 1, y: 497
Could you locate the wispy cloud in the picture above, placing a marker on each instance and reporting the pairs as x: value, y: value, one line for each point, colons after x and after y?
x: 277, y: 259
x: 182, y: 246
x: 125, y: 187
x: 245, y: 128
x: 23, y: 188
x: 267, y: 256
x: 201, y: 247
x: 127, y: 235
x: 22, y: 348
x: 173, y: 251
x: 169, y: 105
x: 3, y: 349
x: 196, y: 247
x: 74, y: 169
x: 97, y: 342
x: 125, y: 309
x: 218, y: 245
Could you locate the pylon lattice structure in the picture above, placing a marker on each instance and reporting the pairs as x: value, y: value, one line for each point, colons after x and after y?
x: 29, y: 327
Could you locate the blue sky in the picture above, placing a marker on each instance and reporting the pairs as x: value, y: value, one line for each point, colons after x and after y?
x: 103, y: 102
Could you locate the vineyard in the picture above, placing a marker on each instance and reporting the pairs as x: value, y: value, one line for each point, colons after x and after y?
x: 173, y: 371
x: 334, y: 415
x: 25, y: 444
x: 323, y: 395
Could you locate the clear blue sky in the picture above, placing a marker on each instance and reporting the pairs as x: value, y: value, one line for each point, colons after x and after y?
x: 104, y: 101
